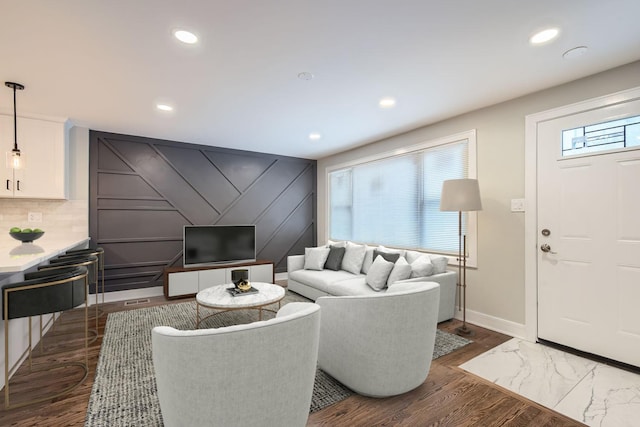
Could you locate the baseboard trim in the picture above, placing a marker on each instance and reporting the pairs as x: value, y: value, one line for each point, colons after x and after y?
x: 496, y: 324
x: 130, y: 294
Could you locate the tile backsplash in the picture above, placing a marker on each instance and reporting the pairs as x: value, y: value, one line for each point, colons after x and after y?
x: 58, y: 216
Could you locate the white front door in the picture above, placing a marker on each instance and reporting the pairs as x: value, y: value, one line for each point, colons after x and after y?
x: 589, y: 216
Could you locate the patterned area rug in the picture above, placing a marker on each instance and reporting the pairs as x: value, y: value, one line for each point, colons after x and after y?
x: 124, y: 390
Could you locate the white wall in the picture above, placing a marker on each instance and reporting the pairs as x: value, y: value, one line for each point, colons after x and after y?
x: 495, y: 292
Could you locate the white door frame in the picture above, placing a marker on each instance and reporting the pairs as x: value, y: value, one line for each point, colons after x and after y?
x: 531, y: 194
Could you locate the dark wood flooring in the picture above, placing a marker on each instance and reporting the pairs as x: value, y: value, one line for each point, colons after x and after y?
x: 449, y: 396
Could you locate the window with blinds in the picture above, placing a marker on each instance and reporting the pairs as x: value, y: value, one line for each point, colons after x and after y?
x: 395, y: 200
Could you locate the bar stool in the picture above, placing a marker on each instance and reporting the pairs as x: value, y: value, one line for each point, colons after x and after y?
x: 97, y: 252
x: 44, y: 293
x: 88, y: 261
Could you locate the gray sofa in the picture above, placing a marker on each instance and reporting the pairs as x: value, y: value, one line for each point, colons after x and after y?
x: 317, y: 283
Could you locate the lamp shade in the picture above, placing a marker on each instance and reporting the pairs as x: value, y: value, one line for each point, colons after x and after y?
x: 460, y: 195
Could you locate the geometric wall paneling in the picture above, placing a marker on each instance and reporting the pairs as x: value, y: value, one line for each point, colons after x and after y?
x: 108, y: 161
x: 298, y: 246
x: 160, y: 174
x: 129, y: 185
x: 283, y: 242
x: 144, y: 190
x: 197, y: 170
x: 241, y: 169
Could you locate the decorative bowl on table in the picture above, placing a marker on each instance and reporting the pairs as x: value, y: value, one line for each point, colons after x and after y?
x: 28, y: 236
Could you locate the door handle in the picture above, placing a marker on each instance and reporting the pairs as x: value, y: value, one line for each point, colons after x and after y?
x: 8, y: 181
x: 547, y: 249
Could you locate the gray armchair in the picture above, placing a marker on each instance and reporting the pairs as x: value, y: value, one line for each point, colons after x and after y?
x: 258, y: 374
x: 380, y: 345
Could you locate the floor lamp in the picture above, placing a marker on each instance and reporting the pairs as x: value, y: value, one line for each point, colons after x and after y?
x: 461, y: 195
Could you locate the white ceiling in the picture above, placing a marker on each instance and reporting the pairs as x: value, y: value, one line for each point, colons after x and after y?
x: 104, y: 64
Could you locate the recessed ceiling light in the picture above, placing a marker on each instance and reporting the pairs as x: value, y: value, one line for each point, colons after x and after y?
x: 164, y: 107
x: 314, y: 136
x: 185, y: 36
x: 387, y: 102
x: 544, y: 36
x: 575, y: 52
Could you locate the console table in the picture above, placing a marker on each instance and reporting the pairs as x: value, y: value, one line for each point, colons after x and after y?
x: 180, y: 282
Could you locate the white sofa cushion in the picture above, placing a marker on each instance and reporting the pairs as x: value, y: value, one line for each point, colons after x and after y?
x: 354, y: 286
x: 401, y: 271
x: 379, y: 273
x: 314, y: 258
x: 320, y: 279
x: 422, y: 266
x: 439, y: 263
x: 353, y: 258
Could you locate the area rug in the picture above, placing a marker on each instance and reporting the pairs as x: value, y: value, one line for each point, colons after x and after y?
x: 124, y: 390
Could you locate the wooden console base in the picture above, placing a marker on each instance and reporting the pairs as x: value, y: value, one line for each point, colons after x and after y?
x: 180, y: 282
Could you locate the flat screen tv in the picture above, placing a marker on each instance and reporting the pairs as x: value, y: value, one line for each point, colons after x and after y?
x: 218, y: 244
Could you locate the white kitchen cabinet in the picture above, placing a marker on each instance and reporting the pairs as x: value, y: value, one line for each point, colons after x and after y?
x: 44, y: 144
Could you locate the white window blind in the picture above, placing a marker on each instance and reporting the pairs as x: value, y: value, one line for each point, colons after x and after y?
x: 440, y: 229
x: 395, y: 200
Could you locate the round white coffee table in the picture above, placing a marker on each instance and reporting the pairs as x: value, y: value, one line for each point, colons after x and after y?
x: 217, y: 298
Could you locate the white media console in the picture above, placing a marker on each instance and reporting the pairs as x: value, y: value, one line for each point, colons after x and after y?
x: 180, y: 282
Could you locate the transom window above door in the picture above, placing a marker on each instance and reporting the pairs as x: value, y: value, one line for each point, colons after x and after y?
x: 612, y: 135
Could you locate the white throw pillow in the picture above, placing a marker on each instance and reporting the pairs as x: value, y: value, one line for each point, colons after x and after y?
x: 314, y: 258
x: 412, y: 256
x: 439, y: 263
x: 353, y: 257
x: 422, y: 266
x: 368, y: 259
x: 340, y: 244
x: 401, y: 271
x: 378, y: 273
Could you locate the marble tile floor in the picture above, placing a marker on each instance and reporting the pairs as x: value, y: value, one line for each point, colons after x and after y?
x: 587, y: 391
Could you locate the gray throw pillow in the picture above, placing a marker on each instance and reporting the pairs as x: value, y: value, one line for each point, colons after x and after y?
x: 379, y: 273
x: 400, y: 252
x: 439, y: 263
x: 391, y: 257
x: 422, y: 266
x: 401, y: 271
x: 353, y: 258
x: 334, y: 259
x: 314, y: 258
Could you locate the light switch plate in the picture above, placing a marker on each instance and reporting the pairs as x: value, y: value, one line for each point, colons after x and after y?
x: 34, y: 217
x: 517, y: 205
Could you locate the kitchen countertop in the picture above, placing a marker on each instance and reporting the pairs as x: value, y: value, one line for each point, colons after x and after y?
x: 16, y: 256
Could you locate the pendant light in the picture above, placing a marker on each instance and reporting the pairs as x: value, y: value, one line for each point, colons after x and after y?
x: 15, y: 159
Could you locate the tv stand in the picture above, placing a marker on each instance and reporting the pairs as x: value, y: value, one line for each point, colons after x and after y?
x: 180, y: 282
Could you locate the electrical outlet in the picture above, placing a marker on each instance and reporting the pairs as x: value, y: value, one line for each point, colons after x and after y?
x: 517, y: 205
x: 34, y: 217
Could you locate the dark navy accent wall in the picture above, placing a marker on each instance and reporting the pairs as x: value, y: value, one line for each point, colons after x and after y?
x: 142, y: 191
